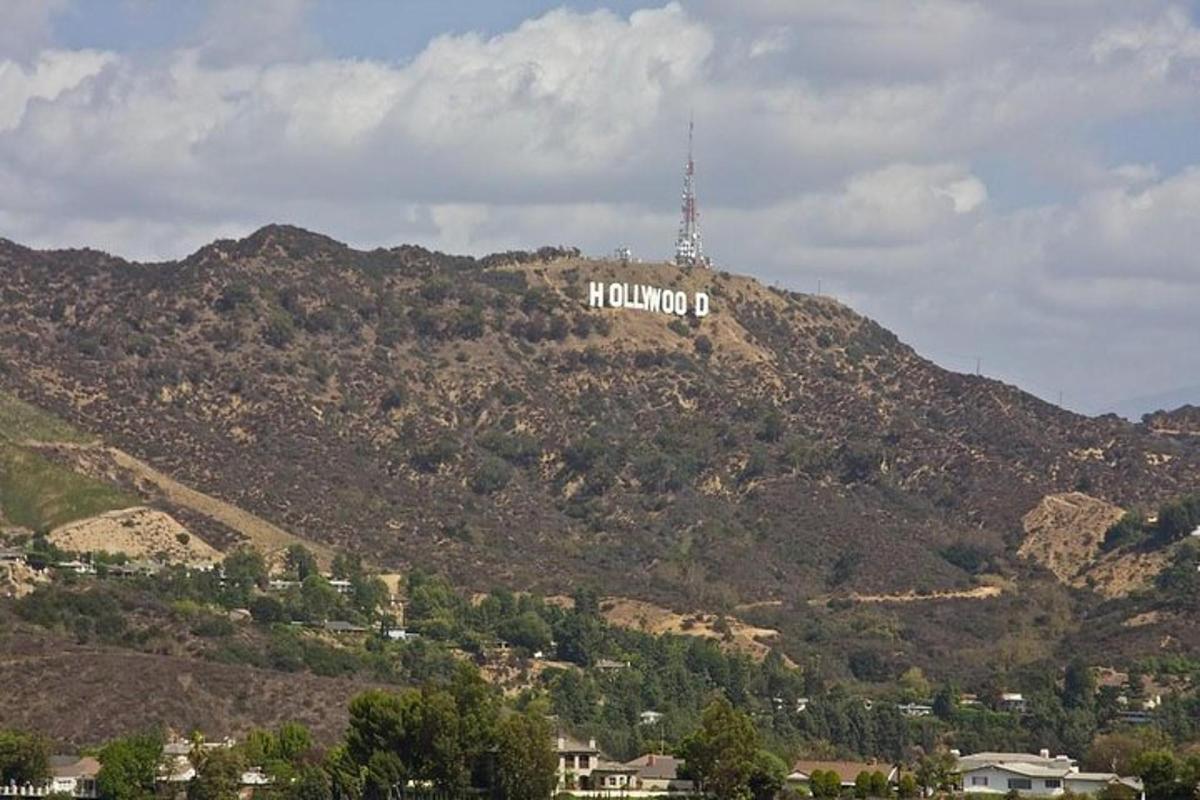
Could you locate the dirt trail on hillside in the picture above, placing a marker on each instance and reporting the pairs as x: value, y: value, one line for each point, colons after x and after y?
x: 977, y: 593
x: 263, y: 535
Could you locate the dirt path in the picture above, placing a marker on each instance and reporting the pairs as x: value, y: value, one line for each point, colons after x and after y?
x: 263, y: 535
x: 977, y: 593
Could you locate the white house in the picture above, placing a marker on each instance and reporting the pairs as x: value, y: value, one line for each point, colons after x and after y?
x: 1034, y: 776
x: 576, y: 760
x: 1014, y: 703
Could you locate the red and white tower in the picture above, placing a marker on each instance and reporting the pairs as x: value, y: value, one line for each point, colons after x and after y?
x: 689, y: 251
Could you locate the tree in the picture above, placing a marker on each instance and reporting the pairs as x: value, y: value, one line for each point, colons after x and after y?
x: 129, y: 767
x: 907, y: 787
x: 1079, y: 685
x: 720, y: 754
x: 862, y: 785
x: 937, y: 772
x: 300, y: 561
x: 945, y: 702
x: 24, y: 758
x: 914, y: 685
x: 244, y: 569
x: 319, y: 598
x: 878, y: 784
x: 1159, y: 772
x: 768, y: 775
x: 312, y: 783
x: 218, y: 775
x: 526, y: 763
x: 824, y: 783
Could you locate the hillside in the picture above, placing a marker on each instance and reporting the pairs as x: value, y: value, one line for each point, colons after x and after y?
x: 476, y: 417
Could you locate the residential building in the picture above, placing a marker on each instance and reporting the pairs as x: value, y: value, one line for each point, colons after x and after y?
x: 915, y: 709
x: 1013, y: 703
x: 650, y: 717
x: 576, y: 760
x: 608, y: 665
x: 660, y: 773
x: 342, y: 627
x: 69, y: 775
x: 1034, y: 775
x: 847, y: 771
x: 608, y: 776
x: 11, y: 555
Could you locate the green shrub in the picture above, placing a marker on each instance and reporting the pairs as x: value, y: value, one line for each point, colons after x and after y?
x: 492, y: 475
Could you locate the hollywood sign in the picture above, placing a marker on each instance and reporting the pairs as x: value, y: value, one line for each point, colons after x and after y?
x: 646, y: 298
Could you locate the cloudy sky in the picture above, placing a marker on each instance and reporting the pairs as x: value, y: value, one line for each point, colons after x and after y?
x: 1012, y: 181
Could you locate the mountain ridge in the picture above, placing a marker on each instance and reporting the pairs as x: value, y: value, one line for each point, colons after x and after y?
x: 456, y: 413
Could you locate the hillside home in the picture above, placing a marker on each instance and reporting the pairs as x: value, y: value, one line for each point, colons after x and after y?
x: 11, y: 555
x: 915, y: 709
x: 660, y: 773
x: 576, y: 760
x: 847, y: 771
x: 1034, y: 775
x: 608, y: 776
x: 650, y: 717
x: 69, y: 776
x: 1013, y: 703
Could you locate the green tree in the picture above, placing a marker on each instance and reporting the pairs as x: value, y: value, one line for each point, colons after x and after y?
x: 937, y: 772
x: 24, y: 758
x: 879, y: 784
x: 526, y: 762
x: 1079, y: 685
x: 907, y: 787
x: 311, y: 783
x: 768, y: 775
x: 300, y: 561
x: 218, y: 775
x: 318, y: 598
x: 862, y: 785
x: 244, y: 570
x: 720, y: 754
x: 129, y: 767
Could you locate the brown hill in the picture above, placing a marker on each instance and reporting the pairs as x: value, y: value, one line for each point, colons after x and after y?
x: 475, y: 416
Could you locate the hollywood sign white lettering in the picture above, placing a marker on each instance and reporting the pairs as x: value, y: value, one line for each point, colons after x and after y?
x: 646, y: 298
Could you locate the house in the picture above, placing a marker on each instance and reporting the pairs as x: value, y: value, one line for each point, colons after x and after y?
x: 69, y: 775
x: 608, y: 665
x: 399, y: 635
x: 576, y: 760
x: 1013, y: 703
x: 74, y: 775
x: 650, y: 717
x: 847, y: 771
x: 341, y: 586
x: 134, y: 569
x: 609, y: 775
x: 76, y: 566
x: 915, y: 709
x: 342, y: 627
x: 279, y: 585
x: 11, y: 555
x: 1034, y: 776
x: 660, y: 773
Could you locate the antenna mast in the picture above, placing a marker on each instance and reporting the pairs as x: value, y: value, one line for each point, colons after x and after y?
x: 689, y: 250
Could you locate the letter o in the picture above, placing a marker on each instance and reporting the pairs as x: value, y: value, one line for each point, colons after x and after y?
x: 680, y: 303
x: 616, y: 296
x: 668, y: 302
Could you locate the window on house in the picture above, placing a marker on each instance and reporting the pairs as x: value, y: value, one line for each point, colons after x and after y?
x: 1020, y: 783
x: 569, y: 762
x: 585, y: 762
x: 1053, y: 783
x: 979, y: 780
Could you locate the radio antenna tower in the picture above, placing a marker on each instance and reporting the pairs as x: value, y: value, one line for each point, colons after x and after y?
x: 689, y: 250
